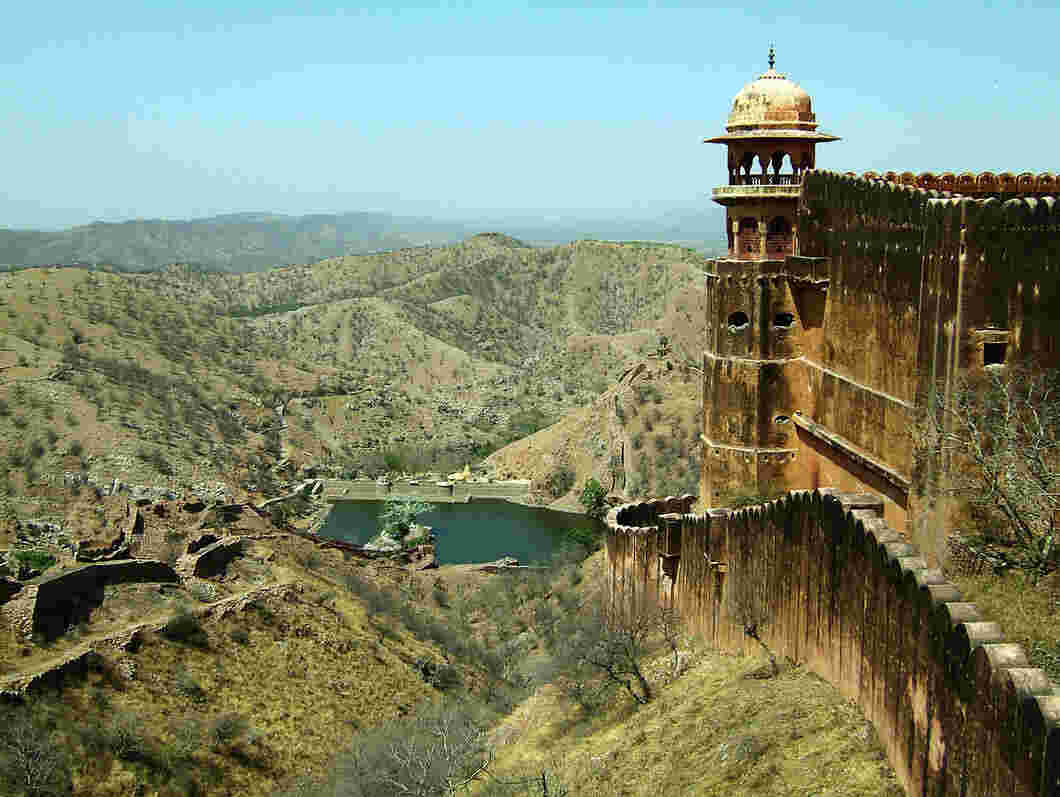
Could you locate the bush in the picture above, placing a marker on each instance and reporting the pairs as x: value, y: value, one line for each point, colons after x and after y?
x: 36, y: 560
x: 185, y: 627
x: 227, y: 728
x: 240, y: 636
x: 31, y: 762
x: 560, y: 481
x: 594, y: 499
x: 189, y: 687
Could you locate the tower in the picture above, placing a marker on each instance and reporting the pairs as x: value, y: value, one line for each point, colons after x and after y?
x: 771, y: 136
x: 762, y: 306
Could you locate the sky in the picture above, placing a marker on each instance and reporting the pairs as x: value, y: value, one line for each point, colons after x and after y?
x: 120, y: 110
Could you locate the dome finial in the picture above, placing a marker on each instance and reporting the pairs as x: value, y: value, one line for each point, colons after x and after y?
x: 772, y: 57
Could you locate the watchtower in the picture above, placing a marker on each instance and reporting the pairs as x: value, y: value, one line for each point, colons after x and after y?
x: 764, y: 309
x: 771, y: 137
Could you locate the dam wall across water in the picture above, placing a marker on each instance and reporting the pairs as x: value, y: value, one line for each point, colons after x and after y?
x: 338, y: 490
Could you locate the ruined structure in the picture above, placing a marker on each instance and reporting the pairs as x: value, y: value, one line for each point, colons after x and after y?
x: 822, y: 348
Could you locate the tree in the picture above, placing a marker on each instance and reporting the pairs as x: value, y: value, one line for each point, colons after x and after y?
x: 31, y: 762
x: 434, y: 755
x: 995, y: 440
x: 601, y: 646
x: 399, y: 514
x: 594, y: 499
x: 748, y: 608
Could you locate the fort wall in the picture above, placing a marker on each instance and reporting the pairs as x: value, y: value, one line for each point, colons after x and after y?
x: 958, y: 710
x: 894, y: 291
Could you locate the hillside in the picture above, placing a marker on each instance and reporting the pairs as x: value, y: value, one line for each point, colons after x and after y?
x: 252, y: 242
x: 155, y: 415
x: 237, y: 243
x: 424, y: 359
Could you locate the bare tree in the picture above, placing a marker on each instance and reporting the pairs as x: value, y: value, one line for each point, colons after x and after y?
x: 601, y: 646
x: 435, y: 754
x: 748, y: 608
x: 995, y: 438
x: 31, y: 764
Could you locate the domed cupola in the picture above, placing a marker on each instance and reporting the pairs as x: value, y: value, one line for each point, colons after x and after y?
x: 771, y: 101
x: 771, y: 137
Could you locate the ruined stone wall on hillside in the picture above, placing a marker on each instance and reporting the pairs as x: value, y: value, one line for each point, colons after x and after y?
x: 958, y: 711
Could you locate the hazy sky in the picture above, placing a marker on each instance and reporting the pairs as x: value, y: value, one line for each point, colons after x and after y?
x: 113, y: 110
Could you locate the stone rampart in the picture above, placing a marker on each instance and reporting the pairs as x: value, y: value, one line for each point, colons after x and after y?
x: 958, y: 710
x: 211, y: 559
x: 56, y: 602
x: 916, y: 286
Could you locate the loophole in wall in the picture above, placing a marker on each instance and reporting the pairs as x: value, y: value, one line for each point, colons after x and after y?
x: 738, y: 320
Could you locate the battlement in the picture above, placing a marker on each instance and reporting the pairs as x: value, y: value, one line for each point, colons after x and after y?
x: 959, y: 711
x: 974, y: 185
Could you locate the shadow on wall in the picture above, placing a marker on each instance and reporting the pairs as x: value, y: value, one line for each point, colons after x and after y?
x: 958, y: 711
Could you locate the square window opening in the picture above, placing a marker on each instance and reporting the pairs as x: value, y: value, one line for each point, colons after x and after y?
x: 994, y: 353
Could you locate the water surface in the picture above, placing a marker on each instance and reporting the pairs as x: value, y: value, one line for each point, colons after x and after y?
x: 480, y: 531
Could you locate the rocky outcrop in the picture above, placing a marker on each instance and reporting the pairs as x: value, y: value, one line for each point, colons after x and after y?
x: 8, y: 588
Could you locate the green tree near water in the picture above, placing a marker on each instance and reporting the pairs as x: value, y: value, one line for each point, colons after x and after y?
x: 398, y: 516
x: 594, y: 499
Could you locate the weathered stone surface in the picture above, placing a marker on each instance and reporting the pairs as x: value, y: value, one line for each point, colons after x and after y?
x: 845, y: 595
x: 211, y: 560
x: 67, y: 598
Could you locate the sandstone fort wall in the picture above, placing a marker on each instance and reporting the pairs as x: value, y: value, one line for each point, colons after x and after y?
x: 958, y: 710
x: 816, y: 366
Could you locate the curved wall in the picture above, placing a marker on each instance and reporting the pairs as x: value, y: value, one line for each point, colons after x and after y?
x: 958, y: 710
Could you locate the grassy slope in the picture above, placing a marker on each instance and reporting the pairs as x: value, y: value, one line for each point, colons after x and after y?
x: 310, y: 669
x: 489, y: 329
x: 712, y: 730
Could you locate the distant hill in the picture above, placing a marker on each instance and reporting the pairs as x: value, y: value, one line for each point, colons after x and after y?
x: 249, y: 242
x: 237, y: 243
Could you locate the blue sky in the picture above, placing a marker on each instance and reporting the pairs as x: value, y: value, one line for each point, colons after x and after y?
x: 117, y: 110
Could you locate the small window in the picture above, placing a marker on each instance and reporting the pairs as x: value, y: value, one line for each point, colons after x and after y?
x: 784, y: 319
x: 738, y: 320
x: 994, y: 353
x: 781, y: 419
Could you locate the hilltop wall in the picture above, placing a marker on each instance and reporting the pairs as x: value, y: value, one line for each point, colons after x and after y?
x: 958, y: 711
x: 895, y: 291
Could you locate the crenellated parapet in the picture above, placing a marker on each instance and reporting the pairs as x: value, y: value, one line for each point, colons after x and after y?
x: 973, y: 184
x: 958, y: 710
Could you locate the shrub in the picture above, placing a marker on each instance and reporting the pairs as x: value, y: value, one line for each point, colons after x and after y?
x: 20, y: 421
x: 185, y: 627
x: 36, y: 560
x: 594, y: 499
x: 240, y: 636
x: 4, y: 408
x: 189, y: 687
x: 227, y: 728
x: 560, y: 481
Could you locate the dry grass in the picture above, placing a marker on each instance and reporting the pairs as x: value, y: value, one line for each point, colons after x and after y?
x: 1028, y: 614
x: 711, y: 732
x: 304, y: 672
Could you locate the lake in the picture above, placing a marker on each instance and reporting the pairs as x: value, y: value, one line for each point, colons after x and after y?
x: 479, y: 531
